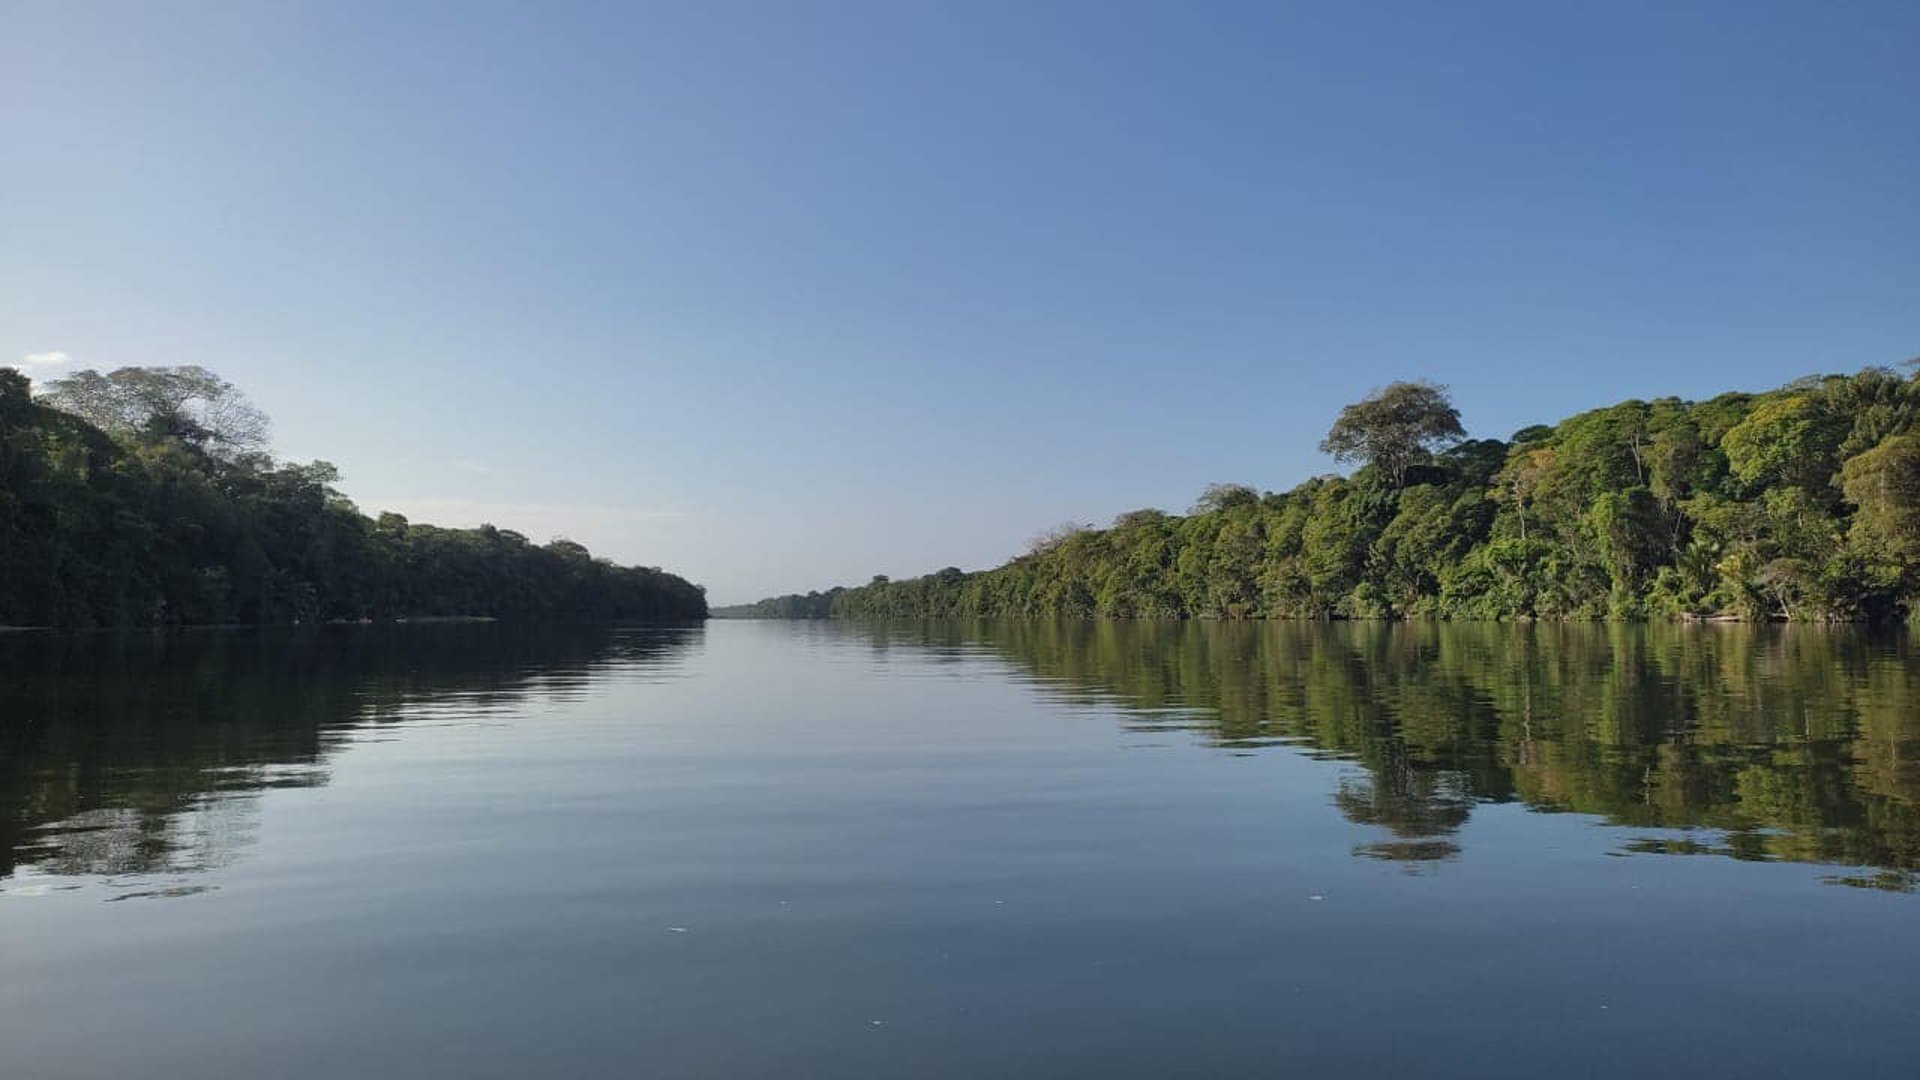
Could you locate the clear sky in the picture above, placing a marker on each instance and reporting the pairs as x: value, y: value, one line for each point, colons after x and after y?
x: 782, y: 295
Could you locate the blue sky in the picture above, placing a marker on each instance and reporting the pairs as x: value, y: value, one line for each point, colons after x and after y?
x: 783, y: 295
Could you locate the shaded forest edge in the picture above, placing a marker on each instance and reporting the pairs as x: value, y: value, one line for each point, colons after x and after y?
x: 145, y: 497
x: 1798, y: 504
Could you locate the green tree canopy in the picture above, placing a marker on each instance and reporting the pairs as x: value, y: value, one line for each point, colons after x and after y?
x: 1395, y: 428
x: 1709, y: 509
x: 152, y: 503
x: 1884, y: 483
x: 1224, y: 497
x: 188, y: 404
x: 1789, y: 440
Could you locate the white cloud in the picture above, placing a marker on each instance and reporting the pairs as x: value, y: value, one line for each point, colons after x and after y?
x: 45, y: 360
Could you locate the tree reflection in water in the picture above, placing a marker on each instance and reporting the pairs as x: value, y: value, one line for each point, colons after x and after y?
x: 1759, y: 742
x: 143, y: 756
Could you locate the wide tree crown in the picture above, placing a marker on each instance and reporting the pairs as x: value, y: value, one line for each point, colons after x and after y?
x: 1395, y: 427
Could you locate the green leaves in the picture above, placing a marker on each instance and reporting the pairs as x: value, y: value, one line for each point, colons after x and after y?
x: 1664, y: 508
x: 1395, y: 428
x: 172, y: 515
x: 1790, y: 440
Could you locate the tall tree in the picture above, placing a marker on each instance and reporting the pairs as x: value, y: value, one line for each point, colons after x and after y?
x: 1220, y: 497
x: 188, y: 404
x: 1395, y: 428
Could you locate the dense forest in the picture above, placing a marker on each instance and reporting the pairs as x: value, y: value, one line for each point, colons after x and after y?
x: 1798, y: 504
x: 144, y: 497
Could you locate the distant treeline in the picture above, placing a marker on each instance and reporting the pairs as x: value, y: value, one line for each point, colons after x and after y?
x: 1802, y: 504
x: 144, y: 498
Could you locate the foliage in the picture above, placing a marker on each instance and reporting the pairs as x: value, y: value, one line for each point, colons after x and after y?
x: 1395, y: 428
x: 169, y: 514
x: 188, y: 404
x: 1800, y: 504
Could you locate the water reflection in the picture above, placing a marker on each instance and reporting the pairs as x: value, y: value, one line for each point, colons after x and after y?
x: 140, y: 758
x: 1764, y: 743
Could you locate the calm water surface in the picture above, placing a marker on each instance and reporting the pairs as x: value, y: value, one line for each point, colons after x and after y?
x: 961, y: 850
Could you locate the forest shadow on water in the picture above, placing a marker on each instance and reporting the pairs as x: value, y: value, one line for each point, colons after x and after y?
x: 141, y: 755
x: 1761, y: 743
x: 959, y: 849
x: 138, y: 759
